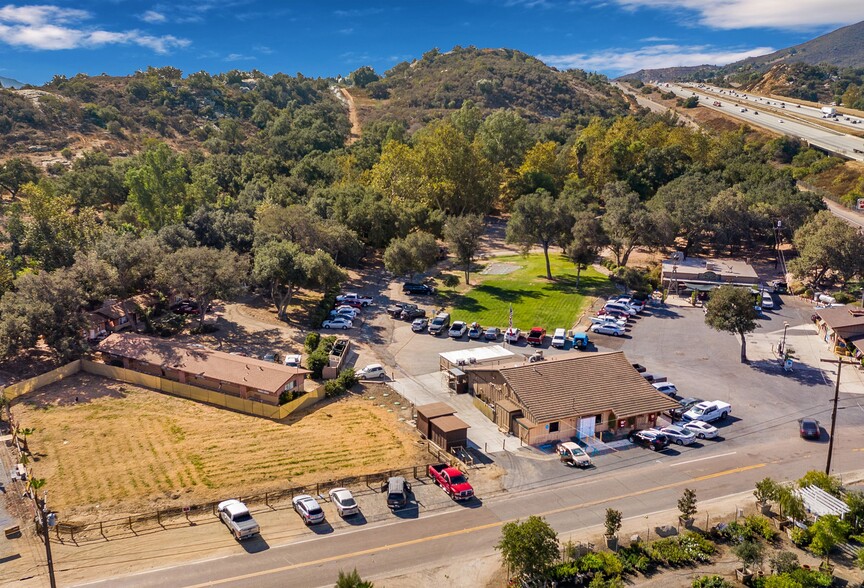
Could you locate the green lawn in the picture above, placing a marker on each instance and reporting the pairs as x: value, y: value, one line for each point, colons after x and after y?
x: 536, y: 301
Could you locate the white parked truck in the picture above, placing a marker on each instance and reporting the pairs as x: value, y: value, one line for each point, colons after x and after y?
x: 829, y: 110
x: 236, y: 517
x: 714, y: 410
x: 354, y: 298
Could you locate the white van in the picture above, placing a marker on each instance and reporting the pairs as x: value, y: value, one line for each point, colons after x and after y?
x: 767, y: 300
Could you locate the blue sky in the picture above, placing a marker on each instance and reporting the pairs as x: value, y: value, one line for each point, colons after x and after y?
x: 327, y: 38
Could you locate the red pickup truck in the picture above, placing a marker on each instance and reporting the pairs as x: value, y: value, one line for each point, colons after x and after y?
x: 454, y: 482
x: 536, y: 336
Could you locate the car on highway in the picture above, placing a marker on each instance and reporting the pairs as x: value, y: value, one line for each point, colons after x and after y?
x: 492, y: 334
x: 607, y: 329
x: 372, y: 371
x: 512, y: 335
x: 559, y: 338
x: 419, y: 325
x: 679, y: 435
x: 420, y: 289
x: 308, y: 509
x: 653, y: 440
x: 701, y: 429
x: 344, y: 502
x: 338, y: 322
x: 667, y: 388
x: 475, y: 331
x: 458, y: 329
x: 809, y: 429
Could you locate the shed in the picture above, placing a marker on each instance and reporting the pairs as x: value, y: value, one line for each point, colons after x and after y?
x: 489, y: 355
x: 427, y: 412
x: 819, y: 503
x: 449, y: 432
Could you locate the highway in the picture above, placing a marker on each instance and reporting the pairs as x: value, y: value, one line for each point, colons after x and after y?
x: 806, y: 123
x: 856, y: 219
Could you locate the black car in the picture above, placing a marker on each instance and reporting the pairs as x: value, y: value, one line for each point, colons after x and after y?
x: 411, y: 312
x: 414, y: 288
x: 685, y: 405
x: 395, y: 309
x: 653, y: 440
x: 809, y: 429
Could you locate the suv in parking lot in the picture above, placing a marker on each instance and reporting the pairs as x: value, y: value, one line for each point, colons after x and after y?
x: 440, y: 323
x: 414, y: 288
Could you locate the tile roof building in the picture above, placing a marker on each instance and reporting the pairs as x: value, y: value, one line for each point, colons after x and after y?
x: 235, y: 375
x: 842, y: 328
x: 580, y: 395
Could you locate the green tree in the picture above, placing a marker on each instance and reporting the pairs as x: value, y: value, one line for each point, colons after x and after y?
x: 731, y: 310
x: 464, y: 233
x: 828, y: 531
x: 203, y: 273
x: 682, y: 205
x: 820, y: 479
x: 687, y: 504
x: 351, y: 580
x: 588, y: 238
x: 412, y: 255
x: 363, y: 76
x: 157, y: 186
x: 323, y: 272
x: 503, y: 138
x: 536, y: 219
x: 826, y: 243
x: 281, y: 266
x: 17, y: 172
x: 626, y: 221
x: 135, y: 258
x: 468, y: 119
x: 528, y: 548
x: 750, y: 552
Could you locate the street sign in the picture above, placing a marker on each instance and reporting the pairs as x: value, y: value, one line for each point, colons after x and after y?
x: 861, y: 204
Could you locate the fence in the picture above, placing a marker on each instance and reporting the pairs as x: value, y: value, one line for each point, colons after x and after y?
x: 15, y: 390
x: 182, y: 516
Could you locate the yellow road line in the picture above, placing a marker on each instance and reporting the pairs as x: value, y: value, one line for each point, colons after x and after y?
x: 448, y: 534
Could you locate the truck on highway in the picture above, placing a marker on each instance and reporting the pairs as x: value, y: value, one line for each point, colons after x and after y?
x: 452, y: 481
x: 706, y: 412
x: 236, y: 517
x: 829, y: 111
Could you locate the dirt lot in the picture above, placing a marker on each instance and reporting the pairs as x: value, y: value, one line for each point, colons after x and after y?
x: 121, y: 449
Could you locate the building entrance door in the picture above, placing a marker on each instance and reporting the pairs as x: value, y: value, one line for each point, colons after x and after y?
x: 586, y: 427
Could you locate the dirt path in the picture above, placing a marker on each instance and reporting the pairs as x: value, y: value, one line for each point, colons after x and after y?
x: 356, y: 131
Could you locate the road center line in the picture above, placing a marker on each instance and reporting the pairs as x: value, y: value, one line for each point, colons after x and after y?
x: 680, y: 463
x: 459, y: 532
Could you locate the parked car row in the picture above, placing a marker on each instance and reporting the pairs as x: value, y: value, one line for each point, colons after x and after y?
x: 612, y: 318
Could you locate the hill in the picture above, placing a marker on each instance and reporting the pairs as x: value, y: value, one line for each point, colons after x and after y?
x: 841, y: 48
x: 10, y: 83
x: 492, y: 78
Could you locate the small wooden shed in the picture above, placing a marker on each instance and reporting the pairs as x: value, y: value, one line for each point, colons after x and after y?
x: 427, y: 412
x: 449, y: 431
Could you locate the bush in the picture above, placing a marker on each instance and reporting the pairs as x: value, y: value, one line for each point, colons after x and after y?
x: 345, y: 380
x: 749, y: 552
x: 316, y: 361
x: 680, y: 551
x: 312, y: 341
x: 761, y: 527
x: 636, y: 559
x: 808, y: 293
x: 801, y: 537
x: 783, y: 562
x: 450, y: 280
x: 844, y: 297
x: 711, y: 582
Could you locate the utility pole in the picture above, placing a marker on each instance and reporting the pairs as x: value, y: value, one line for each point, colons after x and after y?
x: 839, y: 363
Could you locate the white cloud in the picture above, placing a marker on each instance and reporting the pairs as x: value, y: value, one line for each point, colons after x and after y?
x: 238, y: 57
x: 53, y: 28
x: 782, y: 14
x: 153, y: 17
x: 620, y: 61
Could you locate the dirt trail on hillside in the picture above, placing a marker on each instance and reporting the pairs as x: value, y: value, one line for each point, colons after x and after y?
x: 356, y: 131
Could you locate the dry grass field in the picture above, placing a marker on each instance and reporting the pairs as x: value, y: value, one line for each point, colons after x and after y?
x: 121, y: 449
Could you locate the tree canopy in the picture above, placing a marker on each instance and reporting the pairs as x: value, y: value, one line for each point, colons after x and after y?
x: 732, y: 310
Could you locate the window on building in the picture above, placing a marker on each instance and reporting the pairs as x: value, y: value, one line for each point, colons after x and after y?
x: 631, y: 422
x: 553, y: 427
x: 291, y: 385
x: 598, y: 420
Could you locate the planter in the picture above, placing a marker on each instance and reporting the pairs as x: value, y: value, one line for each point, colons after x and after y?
x: 687, y: 523
x: 744, y: 575
x: 765, y: 509
x: 612, y: 542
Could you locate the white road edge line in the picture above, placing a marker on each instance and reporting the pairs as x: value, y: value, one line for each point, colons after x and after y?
x: 680, y: 463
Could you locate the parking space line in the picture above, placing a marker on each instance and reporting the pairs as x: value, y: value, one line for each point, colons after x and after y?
x: 701, y: 459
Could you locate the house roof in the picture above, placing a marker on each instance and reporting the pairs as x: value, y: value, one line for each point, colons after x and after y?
x: 842, y: 318
x: 435, y: 409
x: 198, y: 361
x: 583, y: 384
x: 449, y: 423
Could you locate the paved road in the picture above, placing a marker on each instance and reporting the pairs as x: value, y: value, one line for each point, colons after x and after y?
x: 852, y: 217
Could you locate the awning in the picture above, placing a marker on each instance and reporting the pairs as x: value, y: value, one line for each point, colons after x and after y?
x: 819, y: 503
x: 700, y: 287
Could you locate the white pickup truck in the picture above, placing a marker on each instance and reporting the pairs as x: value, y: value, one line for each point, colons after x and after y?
x: 236, y: 517
x: 708, y: 411
x: 353, y: 298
